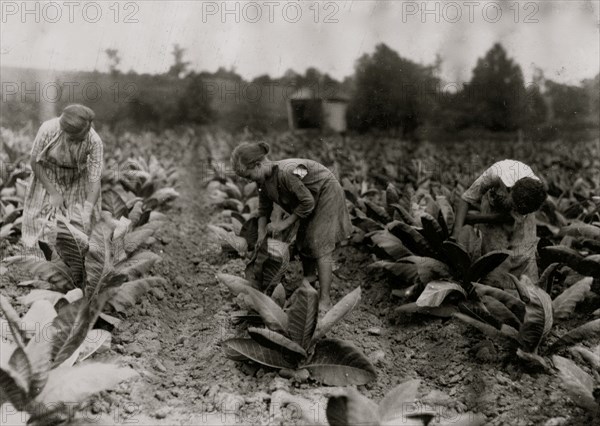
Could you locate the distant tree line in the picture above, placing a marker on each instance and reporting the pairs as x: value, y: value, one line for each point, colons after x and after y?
x: 386, y: 93
x: 394, y: 93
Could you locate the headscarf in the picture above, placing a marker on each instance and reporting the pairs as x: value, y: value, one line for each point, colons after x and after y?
x: 76, y: 118
x: 247, y: 153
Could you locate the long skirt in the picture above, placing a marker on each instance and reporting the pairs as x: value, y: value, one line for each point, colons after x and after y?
x: 38, y: 224
x: 327, y: 225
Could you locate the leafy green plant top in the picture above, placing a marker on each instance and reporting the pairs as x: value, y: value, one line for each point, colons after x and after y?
x: 293, y: 339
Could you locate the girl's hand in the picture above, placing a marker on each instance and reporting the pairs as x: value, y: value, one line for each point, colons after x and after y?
x: 58, y: 203
x: 275, y: 228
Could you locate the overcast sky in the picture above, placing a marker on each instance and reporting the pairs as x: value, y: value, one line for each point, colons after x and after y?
x: 563, y: 39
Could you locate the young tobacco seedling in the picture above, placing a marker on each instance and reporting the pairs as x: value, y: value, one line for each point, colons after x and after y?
x: 293, y: 340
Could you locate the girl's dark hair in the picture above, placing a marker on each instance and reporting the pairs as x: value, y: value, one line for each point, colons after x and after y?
x: 500, y: 198
x: 76, y: 118
x: 528, y: 195
x: 247, y: 153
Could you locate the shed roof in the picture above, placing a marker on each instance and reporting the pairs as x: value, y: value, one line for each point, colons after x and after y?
x: 326, y: 94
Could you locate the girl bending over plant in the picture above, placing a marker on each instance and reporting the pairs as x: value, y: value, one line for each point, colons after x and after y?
x: 311, y: 194
x: 508, y: 194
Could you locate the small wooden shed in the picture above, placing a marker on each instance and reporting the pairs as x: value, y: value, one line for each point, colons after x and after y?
x: 308, y: 109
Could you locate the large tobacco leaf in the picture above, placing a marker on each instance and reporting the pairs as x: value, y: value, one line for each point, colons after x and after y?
x: 114, y: 204
x: 578, y: 383
x: 15, y: 380
x: 268, y: 264
x: 229, y: 240
x: 278, y: 342
x: 432, y: 231
x: 587, y: 331
x: 271, y: 313
x: 302, y: 314
x: 561, y: 254
x: 337, y: 313
x: 72, y: 246
x: 459, y: 259
x: 235, y: 284
x: 66, y: 384
x: 411, y: 238
x: 486, y: 264
x: 138, y: 264
x: 429, y: 269
x: 249, y: 232
x: 538, y: 319
x: 505, y: 332
x: 98, y: 260
x: 514, y: 304
x: 259, y: 353
x: 564, y: 304
x: 389, y: 244
x: 501, y: 312
x: 70, y: 329
x: 436, y: 292
x: 339, y: 363
x: 405, y: 272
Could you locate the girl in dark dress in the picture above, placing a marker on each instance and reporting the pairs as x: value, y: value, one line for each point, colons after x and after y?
x: 311, y: 194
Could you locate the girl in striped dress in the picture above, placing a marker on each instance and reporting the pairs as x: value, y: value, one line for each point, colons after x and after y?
x: 67, y: 162
x: 311, y: 195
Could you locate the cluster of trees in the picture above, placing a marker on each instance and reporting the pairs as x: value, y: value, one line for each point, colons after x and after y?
x: 386, y: 93
x: 393, y: 93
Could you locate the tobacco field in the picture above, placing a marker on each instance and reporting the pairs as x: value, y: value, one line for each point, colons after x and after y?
x: 163, y: 312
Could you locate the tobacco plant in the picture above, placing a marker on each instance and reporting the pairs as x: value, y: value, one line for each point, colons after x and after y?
x: 150, y: 181
x: 37, y: 372
x: 293, y: 339
x: 420, y: 256
x: 229, y: 194
x: 239, y: 236
x: 107, y: 260
x: 439, y: 286
x: 525, y: 321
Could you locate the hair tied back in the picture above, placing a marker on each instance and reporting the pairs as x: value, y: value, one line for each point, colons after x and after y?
x: 265, y: 147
